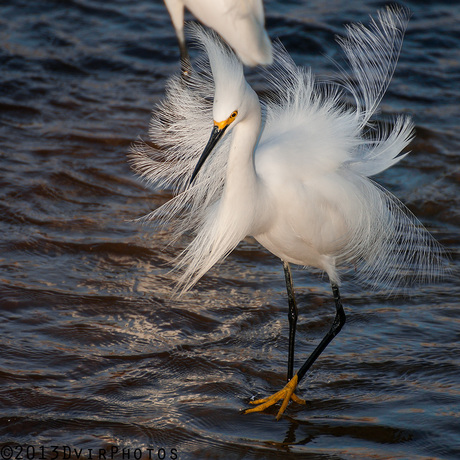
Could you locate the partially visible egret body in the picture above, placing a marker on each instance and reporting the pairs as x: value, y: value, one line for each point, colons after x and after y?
x: 291, y: 170
x: 241, y: 23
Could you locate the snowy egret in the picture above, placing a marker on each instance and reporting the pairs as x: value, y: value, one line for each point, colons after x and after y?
x: 291, y: 170
x: 239, y: 22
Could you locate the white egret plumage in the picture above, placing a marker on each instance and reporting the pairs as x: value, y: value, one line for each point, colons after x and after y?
x: 241, y: 23
x: 292, y: 171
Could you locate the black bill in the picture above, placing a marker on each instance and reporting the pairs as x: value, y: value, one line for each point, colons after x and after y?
x: 216, y: 134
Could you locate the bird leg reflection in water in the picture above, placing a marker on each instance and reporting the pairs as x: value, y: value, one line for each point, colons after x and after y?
x: 287, y: 393
x: 293, y: 171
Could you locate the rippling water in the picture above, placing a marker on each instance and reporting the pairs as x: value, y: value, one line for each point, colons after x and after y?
x: 96, y: 351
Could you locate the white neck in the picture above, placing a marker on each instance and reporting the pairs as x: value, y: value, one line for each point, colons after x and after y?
x: 240, y: 193
x: 235, y: 215
x: 240, y: 167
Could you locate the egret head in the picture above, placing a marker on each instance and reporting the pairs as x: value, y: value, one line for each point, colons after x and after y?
x: 228, y: 76
x: 230, y: 93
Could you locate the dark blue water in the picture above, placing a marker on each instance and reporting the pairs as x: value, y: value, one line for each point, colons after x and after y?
x: 96, y: 351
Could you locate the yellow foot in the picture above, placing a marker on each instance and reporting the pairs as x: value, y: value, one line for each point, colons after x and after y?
x: 286, y: 394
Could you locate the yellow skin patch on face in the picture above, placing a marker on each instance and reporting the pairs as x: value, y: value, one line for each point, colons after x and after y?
x: 228, y: 121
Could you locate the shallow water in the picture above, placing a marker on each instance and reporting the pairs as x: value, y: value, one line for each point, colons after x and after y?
x: 97, y: 353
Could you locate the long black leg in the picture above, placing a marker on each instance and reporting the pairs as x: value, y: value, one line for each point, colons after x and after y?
x: 337, y: 325
x: 287, y: 393
x: 292, y: 316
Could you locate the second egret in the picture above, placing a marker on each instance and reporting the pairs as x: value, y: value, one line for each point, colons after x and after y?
x: 291, y: 170
x: 241, y: 23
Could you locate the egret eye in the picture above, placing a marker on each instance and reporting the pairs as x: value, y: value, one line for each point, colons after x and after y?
x: 234, y: 114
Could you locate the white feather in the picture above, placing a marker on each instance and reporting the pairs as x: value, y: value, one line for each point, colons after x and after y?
x: 304, y: 190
